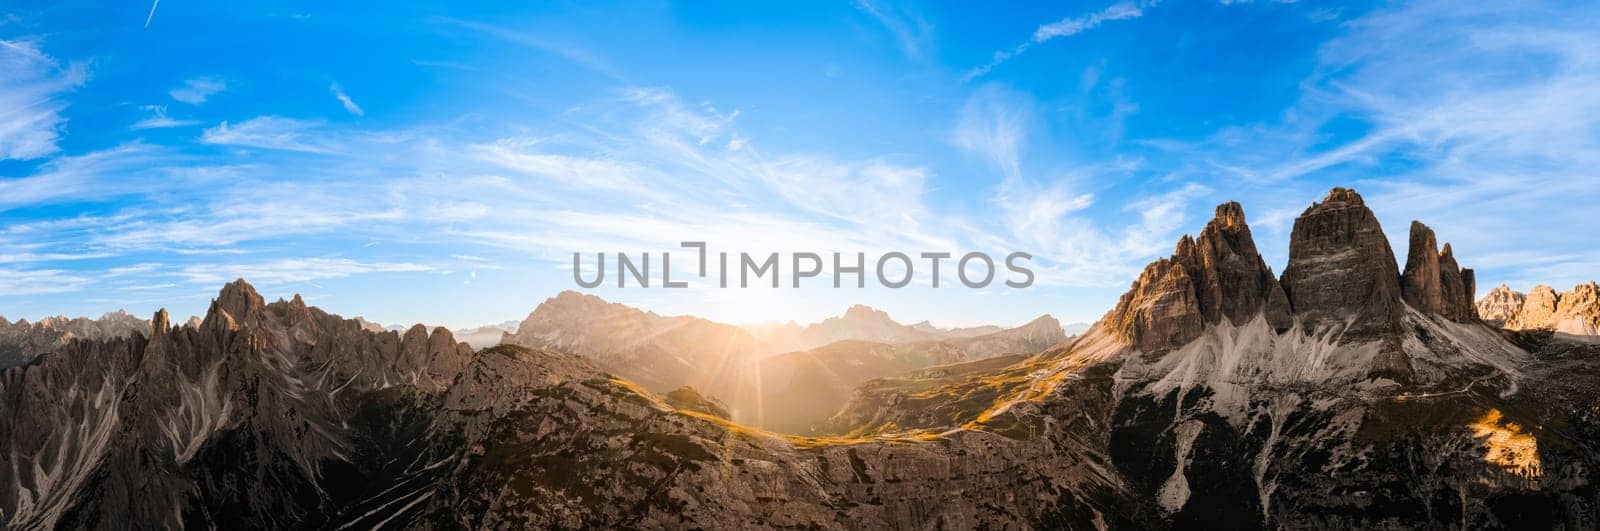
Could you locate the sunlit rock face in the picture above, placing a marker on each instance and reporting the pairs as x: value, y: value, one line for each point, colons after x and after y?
x: 1219, y: 276
x: 1573, y: 314
x: 1500, y: 305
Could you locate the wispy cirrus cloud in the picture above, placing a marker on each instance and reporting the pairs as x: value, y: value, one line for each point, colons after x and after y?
x: 14, y: 282
x: 89, y: 177
x: 12, y: 258
x: 271, y: 132
x: 288, y: 271
x: 1066, y: 27
x: 344, y: 99
x: 196, y: 91
x: 570, y: 52
x: 911, y: 34
x: 1050, y: 216
x: 31, y: 99
x: 158, y: 119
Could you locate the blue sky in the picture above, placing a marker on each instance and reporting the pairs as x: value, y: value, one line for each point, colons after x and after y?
x: 411, y: 162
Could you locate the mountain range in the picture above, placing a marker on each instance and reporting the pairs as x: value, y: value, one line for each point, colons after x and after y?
x: 1347, y: 392
x: 1574, y: 314
x: 786, y: 377
x: 22, y: 341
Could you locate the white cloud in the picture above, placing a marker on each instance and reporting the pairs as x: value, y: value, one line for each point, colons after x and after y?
x: 344, y: 99
x: 196, y: 91
x: 15, y: 282
x: 149, y: 287
x: 1070, y: 26
x: 90, y: 176
x: 13, y: 258
x: 1066, y: 27
x: 271, y: 132
x: 135, y: 269
x: 31, y: 99
x: 523, y: 156
x: 1051, y: 217
x: 992, y: 124
x: 158, y: 119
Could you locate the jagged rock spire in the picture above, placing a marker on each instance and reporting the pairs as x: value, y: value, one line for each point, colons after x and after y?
x: 237, y: 300
x: 1420, y: 281
x: 1231, y: 279
x: 159, y: 323
x: 1433, y: 283
x: 1217, y: 276
x: 1458, y: 286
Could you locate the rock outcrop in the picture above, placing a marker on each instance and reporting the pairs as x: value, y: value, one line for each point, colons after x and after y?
x: 1500, y: 305
x: 1538, y: 310
x: 1342, y: 273
x: 687, y: 398
x: 1218, y: 276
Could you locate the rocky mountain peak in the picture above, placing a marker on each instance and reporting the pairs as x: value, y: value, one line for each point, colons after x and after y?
x: 1341, y: 277
x: 1341, y: 270
x: 1343, y: 197
x: 863, y: 312
x: 1185, y: 246
x: 1217, y: 276
x: 236, y: 301
x: 1230, y: 215
x: 1043, y: 321
x: 159, y: 323
x: 1538, y: 310
x: 1500, y: 304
